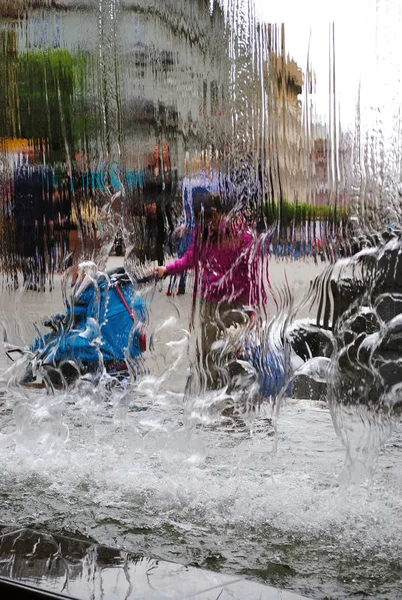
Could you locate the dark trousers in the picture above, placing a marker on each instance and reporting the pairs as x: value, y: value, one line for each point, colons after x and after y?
x: 215, y: 356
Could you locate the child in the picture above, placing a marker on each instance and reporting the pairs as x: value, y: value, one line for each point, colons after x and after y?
x: 219, y: 253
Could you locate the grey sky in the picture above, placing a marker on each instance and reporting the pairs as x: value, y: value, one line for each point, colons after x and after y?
x: 358, y: 46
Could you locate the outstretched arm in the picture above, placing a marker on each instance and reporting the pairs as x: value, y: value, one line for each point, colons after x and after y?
x: 178, y: 266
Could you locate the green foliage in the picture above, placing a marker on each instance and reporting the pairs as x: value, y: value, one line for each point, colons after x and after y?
x: 289, y: 213
x: 43, y: 95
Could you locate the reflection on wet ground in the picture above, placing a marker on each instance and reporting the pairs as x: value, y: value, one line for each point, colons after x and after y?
x: 83, y: 570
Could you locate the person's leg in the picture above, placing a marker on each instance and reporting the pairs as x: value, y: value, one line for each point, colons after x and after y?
x: 238, y: 324
x: 205, y: 332
x: 172, y: 283
x: 211, y: 330
x: 214, y: 367
x: 217, y: 363
x: 182, y: 283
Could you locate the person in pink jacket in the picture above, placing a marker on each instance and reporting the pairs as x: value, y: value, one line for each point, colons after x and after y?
x: 220, y: 253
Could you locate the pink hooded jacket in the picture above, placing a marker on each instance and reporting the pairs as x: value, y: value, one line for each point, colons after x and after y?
x: 226, y: 266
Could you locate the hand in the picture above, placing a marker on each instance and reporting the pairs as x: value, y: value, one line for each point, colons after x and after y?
x: 160, y: 272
